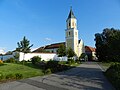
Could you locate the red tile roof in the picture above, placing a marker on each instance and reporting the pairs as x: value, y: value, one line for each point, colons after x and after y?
x: 51, y: 46
x: 89, y: 49
x: 56, y: 45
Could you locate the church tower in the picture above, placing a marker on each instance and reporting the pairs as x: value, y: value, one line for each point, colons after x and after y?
x: 72, y: 32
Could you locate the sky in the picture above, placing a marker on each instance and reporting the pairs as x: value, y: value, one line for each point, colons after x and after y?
x: 43, y: 22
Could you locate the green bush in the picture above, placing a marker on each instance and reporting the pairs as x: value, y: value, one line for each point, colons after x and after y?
x: 113, y: 74
x: 10, y: 76
x: 18, y: 76
x: 52, y: 64
x: 36, y: 60
x: 48, y: 71
x: 62, y: 62
x: 78, y: 61
x: 70, y: 61
x: 1, y: 76
x: 10, y: 60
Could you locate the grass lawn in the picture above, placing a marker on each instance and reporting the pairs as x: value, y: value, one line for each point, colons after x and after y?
x: 27, y: 70
x: 105, y: 65
x: 10, y: 71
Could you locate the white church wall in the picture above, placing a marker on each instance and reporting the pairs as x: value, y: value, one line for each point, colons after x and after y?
x: 81, y: 47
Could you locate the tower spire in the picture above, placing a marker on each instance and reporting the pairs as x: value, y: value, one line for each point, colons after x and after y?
x: 71, y: 14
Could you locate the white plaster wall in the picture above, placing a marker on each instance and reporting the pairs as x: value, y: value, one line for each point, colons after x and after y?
x: 81, y: 47
x: 44, y: 56
x: 28, y: 56
x: 61, y: 58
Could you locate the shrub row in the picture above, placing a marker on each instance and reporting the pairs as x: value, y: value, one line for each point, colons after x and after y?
x: 36, y: 60
x: 11, y: 76
x: 11, y: 60
x: 52, y: 66
x: 113, y: 75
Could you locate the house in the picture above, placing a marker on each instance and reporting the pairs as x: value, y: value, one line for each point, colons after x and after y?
x: 90, y: 52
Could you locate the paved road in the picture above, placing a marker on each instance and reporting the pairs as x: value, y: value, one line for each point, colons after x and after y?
x: 88, y: 76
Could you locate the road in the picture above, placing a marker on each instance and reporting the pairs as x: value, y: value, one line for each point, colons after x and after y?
x: 87, y: 76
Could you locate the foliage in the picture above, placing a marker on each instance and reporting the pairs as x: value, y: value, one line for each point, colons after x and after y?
x: 113, y: 74
x: 83, y: 55
x: 62, y: 62
x: 1, y: 76
x: 71, y: 61
x: 10, y: 76
x: 108, y: 45
x: 52, y: 64
x: 55, y: 66
x: 70, y: 53
x: 14, y: 76
x: 36, y: 59
x: 24, y: 46
x: 10, y: 60
x: 9, y: 53
x: 16, y: 56
x: 48, y: 71
x: 1, y: 62
x: 61, y: 51
x: 18, y: 76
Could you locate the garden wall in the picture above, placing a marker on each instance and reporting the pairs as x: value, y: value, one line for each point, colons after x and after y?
x: 28, y: 56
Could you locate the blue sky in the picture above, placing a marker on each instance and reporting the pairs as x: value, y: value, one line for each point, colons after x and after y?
x: 44, y: 21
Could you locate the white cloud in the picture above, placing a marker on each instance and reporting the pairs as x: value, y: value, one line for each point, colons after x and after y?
x: 2, y: 50
x: 48, y: 39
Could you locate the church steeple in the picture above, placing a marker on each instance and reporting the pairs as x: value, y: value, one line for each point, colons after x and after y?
x: 71, y: 14
x: 71, y: 20
x: 72, y: 32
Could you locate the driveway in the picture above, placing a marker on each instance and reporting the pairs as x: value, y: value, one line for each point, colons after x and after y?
x: 87, y: 76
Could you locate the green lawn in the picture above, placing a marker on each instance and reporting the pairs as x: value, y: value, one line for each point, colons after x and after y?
x: 105, y: 65
x: 27, y: 70
x: 14, y: 71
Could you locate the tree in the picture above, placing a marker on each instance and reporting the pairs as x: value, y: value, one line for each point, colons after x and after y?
x: 108, y: 45
x: 70, y: 53
x: 16, y: 56
x: 9, y: 53
x: 24, y: 46
x: 61, y: 51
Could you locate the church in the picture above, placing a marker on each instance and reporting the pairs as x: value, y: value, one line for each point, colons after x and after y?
x: 71, y: 38
x: 49, y: 52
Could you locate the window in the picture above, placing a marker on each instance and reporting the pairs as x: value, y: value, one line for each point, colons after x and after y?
x: 69, y: 33
x: 73, y: 24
